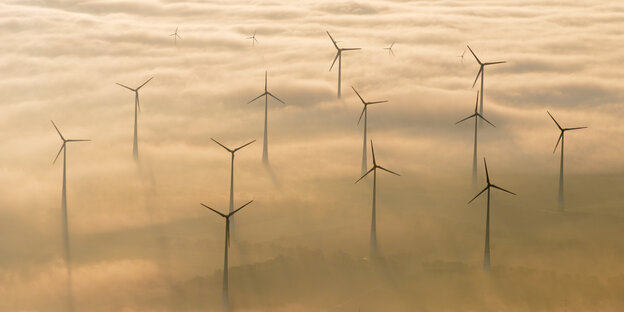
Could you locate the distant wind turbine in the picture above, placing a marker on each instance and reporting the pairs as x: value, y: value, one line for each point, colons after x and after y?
x: 137, y: 106
x: 373, y: 235
x: 365, y: 114
x: 175, y: 36
x: 266, y: 94
x: 462, y: 56
x: 226, y: 296
x: 481, y: 73
x: 390, y: 52
x: 65, y: 220
x: 486, y: 256
x: 339, y: 58
x: 232, y: 151
x: 476, y: 116
x: 561, y: 137
x: 253, y: 39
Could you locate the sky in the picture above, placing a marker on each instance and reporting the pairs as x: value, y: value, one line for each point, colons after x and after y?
x: 140, y: 239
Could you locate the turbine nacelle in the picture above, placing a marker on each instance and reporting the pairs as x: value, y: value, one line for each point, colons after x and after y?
x: 227, y: 218
x: 489, y: 184
x: 375, y: 166
x: 232, y: 150
x: 365, y: 104
x: 65, y: 141
x: 266, y: 91
x: 563, y: 130
x: 476, y: 113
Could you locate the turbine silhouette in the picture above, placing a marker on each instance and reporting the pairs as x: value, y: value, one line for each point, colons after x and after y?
x: 232, y: 151
x: 339, y: 58
x: 137, y: 106
x: 560, y: 205
x: 481, y: 73
x: 365, y: 114
x: 462, y: 56
x: 486, y: 255
x: 390, y: 52
x: 65, y: 219
x: 175, y: 37
x: 253, y: 39
x: 476, y: 116
x: 225, y: 295
x: 374, y: 252
x: 266, y: 94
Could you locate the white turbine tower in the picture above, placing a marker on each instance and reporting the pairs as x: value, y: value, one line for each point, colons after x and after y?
x: 561, y: 137
x: 373, y: 235
x: 365, y: 114
x: 253, y: 39
x: 266, y: 94
x: 226, y: 296
x: 65, y: 220
x: 137, y: 108
x: 486, y: 255
x: 481, y: 73
x: 232, y: 151
x: 476, y: 116
x: 339, y: 58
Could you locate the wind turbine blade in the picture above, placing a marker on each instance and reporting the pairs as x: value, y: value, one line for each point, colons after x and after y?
x: 390, y: 171
x: 553, y: 118
x: 239, y: 208
x: 487, y: 175
x: 214, y: 210
x: 148, y: 80
x: 376, y: 102
x: 178, y: 36
x: 560, y: 137
x: 350, y: 49
x: 477, y: 78
x: 481, y: 116
x: 229, y: 150
x: 479, y: 194
x: 59, y: 153
x: 273, y: 96
x: 78, y: 140
x: 369, y: 171
x: 391, y: 52
x: 373, y: 152
x: 504, y: 190
x: 259, y: 96
x: 575, y: 128
x: 334, y: 62
x: 332, y: 39
x: 475, y: 56
x: 362, y: 114
x: 171, y: 35
x: 391, y: 45
x: 358, y: 94
x: 57, y: 130
x: 473, y: 115
x: 138, y: 102
x: 494, y: 63
x: 125, y: 86
x: 236, y: 149
x: 477, y: 100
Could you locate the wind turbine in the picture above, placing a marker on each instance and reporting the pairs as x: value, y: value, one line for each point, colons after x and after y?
x: 481, y: 73
x: 226, y: 297
x: 563, y: 130
x: 253, y: 39
x: 476, y: 116
x: 339, y: 58
x: 137, y: 106
x: 232, y: 151
x: 175, y: 36
x: 462, y: 56
x: 265, y: 148
x: 365, y: 114
x: 70, y: 300
x: 373, y: 235
x: 486, y: 256
x: 390, y: 52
